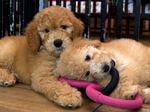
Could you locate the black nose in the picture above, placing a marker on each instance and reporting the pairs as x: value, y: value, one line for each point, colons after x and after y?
x: 106, y: 68
x: 58, y: 43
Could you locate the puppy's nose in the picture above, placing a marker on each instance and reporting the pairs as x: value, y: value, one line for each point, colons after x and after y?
x: 58, y: 43
x: 106, y: 68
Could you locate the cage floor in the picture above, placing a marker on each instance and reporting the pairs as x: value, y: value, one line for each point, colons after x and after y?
x: 22, y: 99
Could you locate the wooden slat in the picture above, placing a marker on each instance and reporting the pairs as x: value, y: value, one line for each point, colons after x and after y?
x: 22, y: 98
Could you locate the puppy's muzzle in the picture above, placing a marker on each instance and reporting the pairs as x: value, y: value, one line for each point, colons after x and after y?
x: 58, y: 43
x: 107, y: 67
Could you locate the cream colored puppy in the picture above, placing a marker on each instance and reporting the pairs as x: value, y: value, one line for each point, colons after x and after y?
x: 91, y: 60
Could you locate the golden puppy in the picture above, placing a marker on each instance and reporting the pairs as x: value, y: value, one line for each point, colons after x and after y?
x: 52, y: 19
x: 32, y: 59
x: 91, y: 60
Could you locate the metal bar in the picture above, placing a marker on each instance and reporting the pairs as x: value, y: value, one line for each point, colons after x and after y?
x: 64, y: 3
x: 34, y: 5
x: 103, y: 19
x: 50, y: 2
x: 127, y: 19
x: 36, y: 8
x: 137, y: 19
x: 87, y: 19
x: 12, y: 17
x: 1, y: 19
x: 119, y: 18
x: 58, y: 2
x: 73, y: 5
x: 109, y: 19
x: 94, y: 13
x: 21, y: 16
x: 79, y: 6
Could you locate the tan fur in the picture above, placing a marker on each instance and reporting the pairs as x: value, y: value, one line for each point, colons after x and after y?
x: 32, y: 59
x: 52, y: 18
x: 132, y: 61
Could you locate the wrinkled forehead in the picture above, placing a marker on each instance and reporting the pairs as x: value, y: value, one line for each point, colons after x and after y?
x: 52, y: 16
x: 76, y: 52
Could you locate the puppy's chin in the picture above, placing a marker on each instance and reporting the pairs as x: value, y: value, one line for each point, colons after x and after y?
x: 89, y: 78
x: 58, y: 52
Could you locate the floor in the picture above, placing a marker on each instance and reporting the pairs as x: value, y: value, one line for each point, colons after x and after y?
x: 22, y: 99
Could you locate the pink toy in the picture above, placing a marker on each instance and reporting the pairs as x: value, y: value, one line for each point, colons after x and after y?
x: 95, y: 95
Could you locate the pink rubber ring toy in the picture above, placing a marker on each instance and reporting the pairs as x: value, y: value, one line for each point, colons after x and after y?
x: 95, y: 95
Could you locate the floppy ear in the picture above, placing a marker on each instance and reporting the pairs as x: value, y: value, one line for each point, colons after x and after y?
x: 78, y: 27
x: 96, y: 43
x: 33, y: 38
x: 79, y: 42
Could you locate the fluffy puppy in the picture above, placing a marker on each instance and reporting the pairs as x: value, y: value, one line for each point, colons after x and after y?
x: 52, y: 19
x: 91, y: 60
x: 32, y: 59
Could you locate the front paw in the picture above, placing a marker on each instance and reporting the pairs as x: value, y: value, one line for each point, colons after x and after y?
x: 70, y: 98
x: 130, y: 92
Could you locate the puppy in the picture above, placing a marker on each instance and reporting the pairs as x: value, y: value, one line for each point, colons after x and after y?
x: 52, y: 19
x: 31, y: 59
x: 91, y: 61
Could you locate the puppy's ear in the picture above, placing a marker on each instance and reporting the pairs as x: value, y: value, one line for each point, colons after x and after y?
x: 96, y: 43
x: 78, y: 27
x: 33, y: 38
x: 80, y: 42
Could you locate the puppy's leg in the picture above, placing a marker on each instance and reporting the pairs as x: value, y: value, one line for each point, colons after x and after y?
x: 60, y: 93
x: 6, y: 78
x: 129, y: 84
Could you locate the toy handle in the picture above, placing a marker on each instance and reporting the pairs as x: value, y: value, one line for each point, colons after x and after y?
x: 106, y: 90
x: 98, y: 97
x: 113, y: 82
x: 78, y: 83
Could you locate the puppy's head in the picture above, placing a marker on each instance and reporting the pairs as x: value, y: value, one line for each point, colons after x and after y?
x: 55, y: 42
x: 73, y: 63
x: 49, y: 20
x: 84, y: 60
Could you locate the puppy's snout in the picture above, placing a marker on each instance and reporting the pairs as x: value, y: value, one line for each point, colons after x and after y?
x: 58, y: 43
x: 106, y: 68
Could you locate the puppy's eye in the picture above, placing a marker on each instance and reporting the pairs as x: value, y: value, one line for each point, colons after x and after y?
x: 46, y: 30
x: 87, y: 58
x: 64, y: 27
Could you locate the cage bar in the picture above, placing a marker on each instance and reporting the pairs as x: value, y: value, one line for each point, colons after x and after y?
x: 103, y: 19
x: 1, y: 19
x: 21, y: 16
x: 58, y: 2
x: 137, y: 19
x: 87, y: 19
x: 73, y: 5
x: 12, y: 17
x: 119, y: 15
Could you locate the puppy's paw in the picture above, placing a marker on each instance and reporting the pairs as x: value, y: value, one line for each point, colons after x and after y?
x: 7, y: 81
x: 72, y: 99
x: 130, y: 92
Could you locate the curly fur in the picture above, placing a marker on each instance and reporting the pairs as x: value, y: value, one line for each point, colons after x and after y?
x: 132, y: 61
x: 32, y: 59
x: 52, y: 18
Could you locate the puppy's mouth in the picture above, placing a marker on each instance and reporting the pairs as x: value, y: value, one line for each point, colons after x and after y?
x: 89, y: 77
x: 59, y: 50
